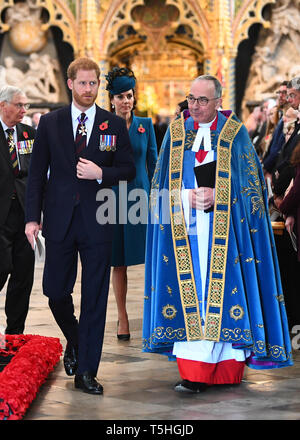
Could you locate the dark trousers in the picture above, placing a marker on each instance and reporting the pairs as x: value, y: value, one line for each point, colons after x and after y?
x: 58, y: 282
x: 16, y: 266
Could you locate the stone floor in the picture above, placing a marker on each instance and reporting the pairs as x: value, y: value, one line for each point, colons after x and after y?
x: 139, y: 386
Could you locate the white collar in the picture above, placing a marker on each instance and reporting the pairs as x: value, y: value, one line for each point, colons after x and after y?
x: 90, y: 112
x: 203, y: 133
x: 207, y: 124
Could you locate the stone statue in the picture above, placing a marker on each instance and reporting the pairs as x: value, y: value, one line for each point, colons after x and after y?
x: 39, y: 82
x: 26, y: 34
x: 22, y: 12
x: 13, y: 75
x: 277, y: 52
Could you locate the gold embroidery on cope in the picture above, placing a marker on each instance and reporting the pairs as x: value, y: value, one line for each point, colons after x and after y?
x: 255, y: 188
x: 220, y: 230
x: 182, y: 252
x: 169, y: 311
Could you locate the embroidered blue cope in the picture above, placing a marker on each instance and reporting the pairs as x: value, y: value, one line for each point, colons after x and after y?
x: 244, y: 302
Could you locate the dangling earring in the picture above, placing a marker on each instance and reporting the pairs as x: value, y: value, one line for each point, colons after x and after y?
x: 112, y: 106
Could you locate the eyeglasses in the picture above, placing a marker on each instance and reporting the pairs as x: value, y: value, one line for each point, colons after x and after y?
x: 19, y: 105
x: 291, y: 96
x: 201, y: 100
x: 281, y: 92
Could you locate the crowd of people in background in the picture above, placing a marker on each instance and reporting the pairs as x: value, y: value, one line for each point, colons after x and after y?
x: 33, y: 119
x: 274, y: 128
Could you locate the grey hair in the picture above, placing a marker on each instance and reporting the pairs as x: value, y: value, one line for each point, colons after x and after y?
x: 8, y: 92
x: 294, y: 83
x: 217, y: 84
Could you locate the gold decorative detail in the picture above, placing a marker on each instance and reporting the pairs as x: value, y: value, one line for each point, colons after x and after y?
x: 169, y: 311
x: 188, y: 292
x: 169, y: 289
x: 182, y: 253
x: 168, y: 333
x: 219, y: 255
x: 166, y: 259
x: 220, y: 228
x: 212, y: 325
x: 254, y: 189
x: 189, y: 139
x: 221, y: 223
x: 183, y: 259
x: 237, y: 259
x: 216, y: 292
x: 194, y: 326
x: 234, y: 291
x: 235, y: 335
x: 236, y: 312
x: 223, y: 189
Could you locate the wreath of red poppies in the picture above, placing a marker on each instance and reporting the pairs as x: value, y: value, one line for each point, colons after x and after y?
x: 32, y: 359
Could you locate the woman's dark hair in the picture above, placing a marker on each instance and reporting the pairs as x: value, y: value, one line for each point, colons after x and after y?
x: 116, y: 72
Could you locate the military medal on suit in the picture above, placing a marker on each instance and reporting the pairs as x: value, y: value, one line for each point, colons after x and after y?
x: 108, y: 142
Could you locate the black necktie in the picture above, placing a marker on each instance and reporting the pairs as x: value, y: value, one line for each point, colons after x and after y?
x: 12, y: 150
x: 81, y: 134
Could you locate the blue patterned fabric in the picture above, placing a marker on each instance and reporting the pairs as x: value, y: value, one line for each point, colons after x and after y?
x: 250, y: 313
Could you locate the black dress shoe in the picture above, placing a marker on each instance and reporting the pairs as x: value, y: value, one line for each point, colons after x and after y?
x: 124, y: 336
x: 186, y: 386
x: 70, y: 360
x: 87, y: 383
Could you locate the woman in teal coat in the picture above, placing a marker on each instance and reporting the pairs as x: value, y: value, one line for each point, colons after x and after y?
x: 131, y: 198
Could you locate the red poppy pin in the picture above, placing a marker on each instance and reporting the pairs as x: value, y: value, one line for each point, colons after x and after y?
x: 103, y: 126
x: 141, y: 129
x: 25, y: 134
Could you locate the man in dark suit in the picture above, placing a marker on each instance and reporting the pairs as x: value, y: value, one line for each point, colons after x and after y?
x: 86, y: 150
x: 16, y: 255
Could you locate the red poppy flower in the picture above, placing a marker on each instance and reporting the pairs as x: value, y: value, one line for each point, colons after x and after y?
x: 103, y: 126
x: 25, y: 134
x: 33, y: 358
x: 141, y: 129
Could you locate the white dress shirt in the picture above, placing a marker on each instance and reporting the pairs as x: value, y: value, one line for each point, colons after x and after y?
x: 90, y: 113
x: 89, y: 123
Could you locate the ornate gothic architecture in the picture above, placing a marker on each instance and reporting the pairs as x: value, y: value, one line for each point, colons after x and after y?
x: 166, y: 42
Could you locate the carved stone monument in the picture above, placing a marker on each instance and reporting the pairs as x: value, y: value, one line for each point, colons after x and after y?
x: 276, y: 57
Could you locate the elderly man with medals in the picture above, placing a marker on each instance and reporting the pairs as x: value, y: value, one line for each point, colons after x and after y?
x: 213, y: 295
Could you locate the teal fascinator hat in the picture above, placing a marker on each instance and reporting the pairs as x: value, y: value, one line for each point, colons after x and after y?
x: 120, y: 80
